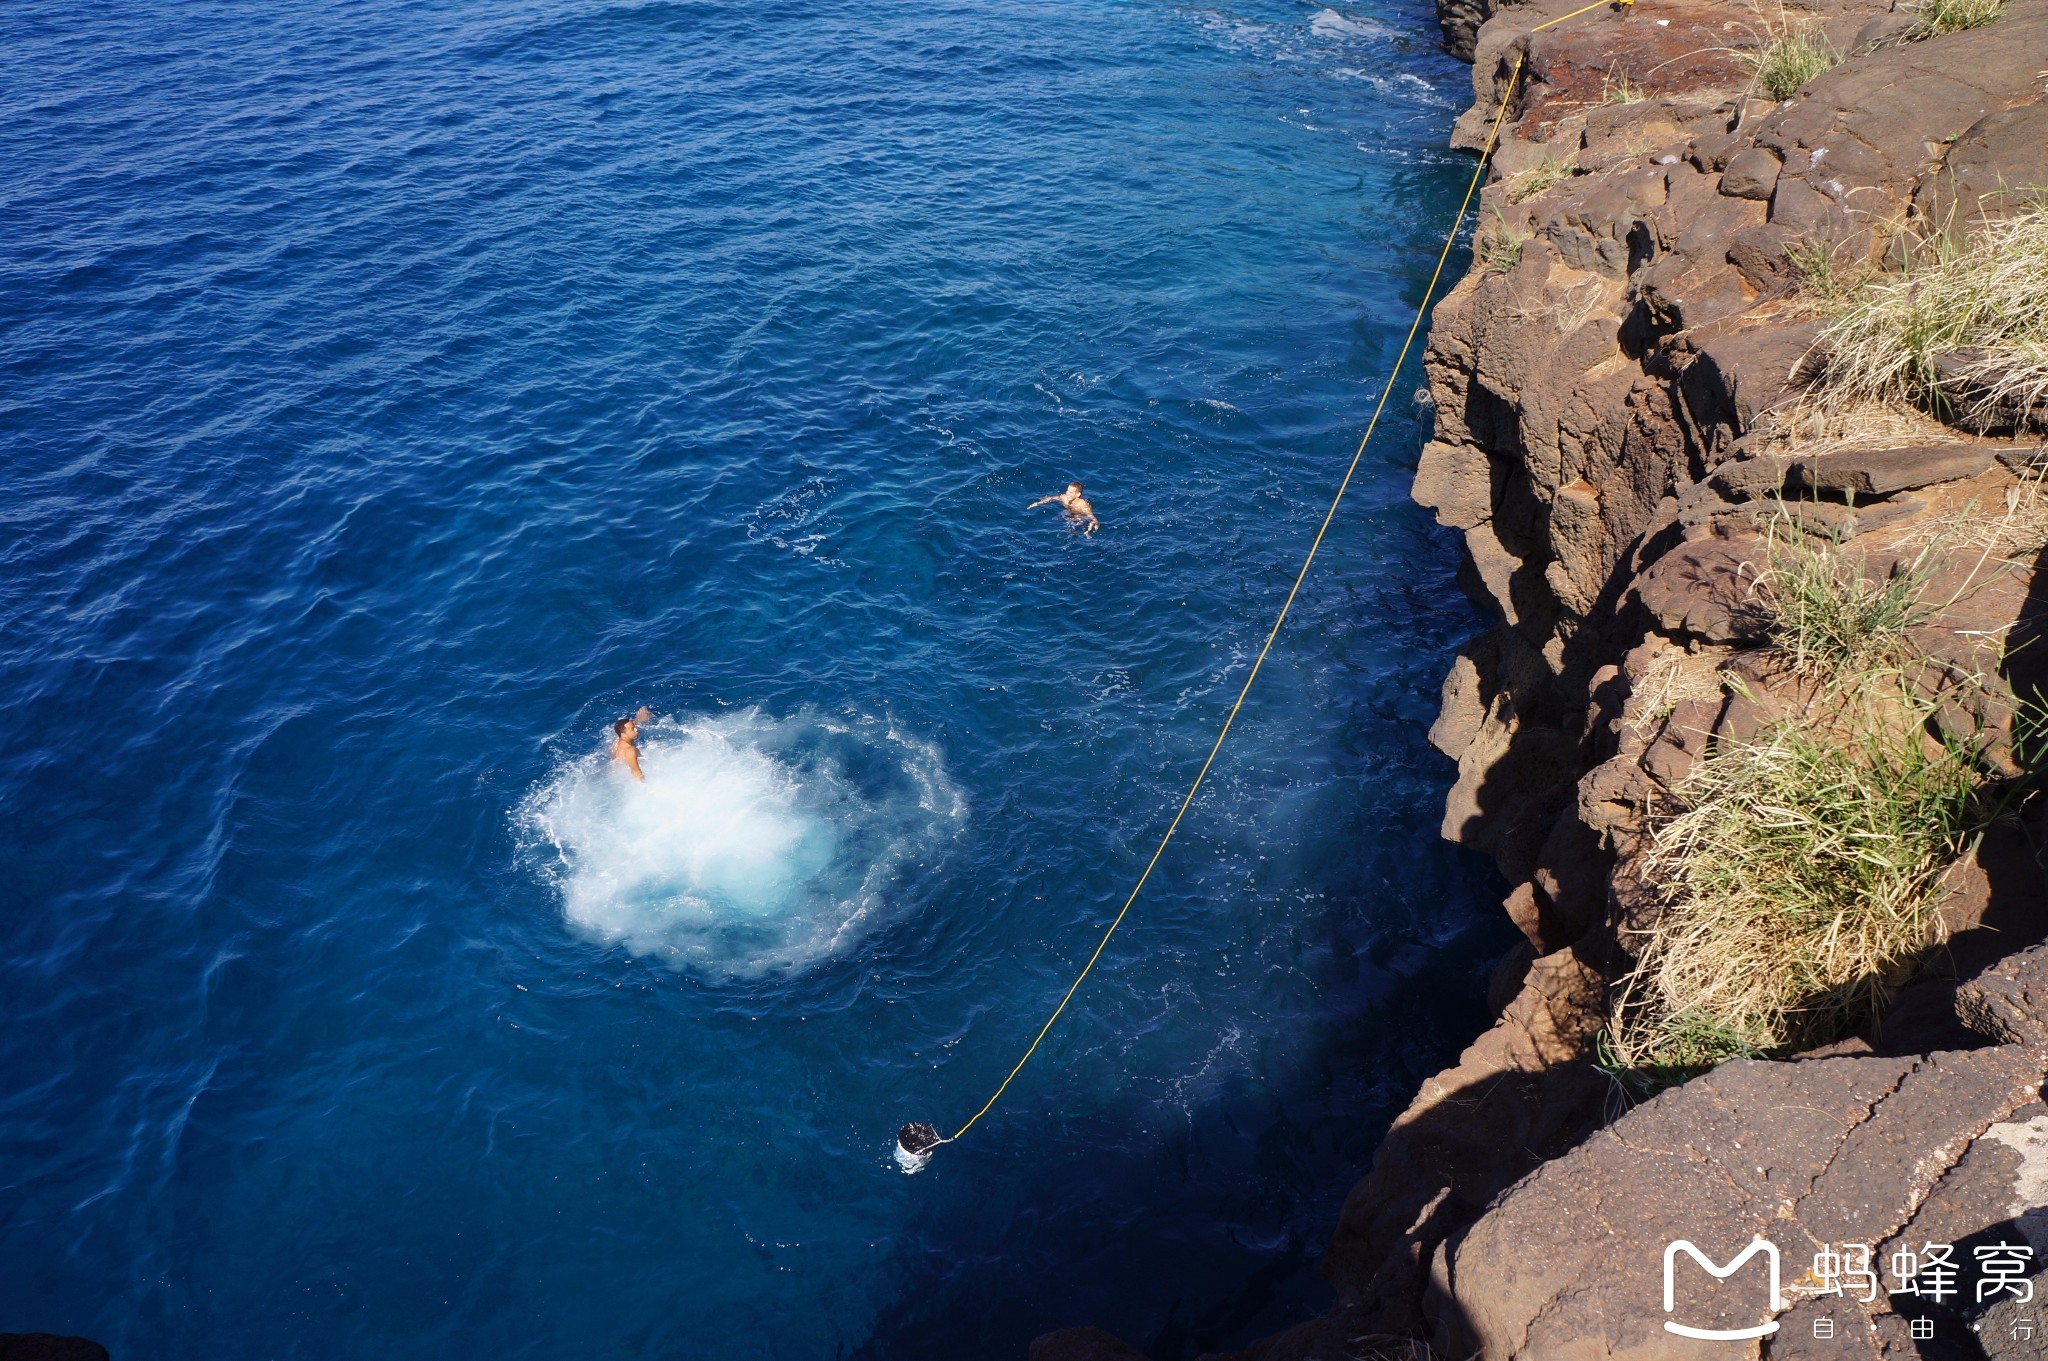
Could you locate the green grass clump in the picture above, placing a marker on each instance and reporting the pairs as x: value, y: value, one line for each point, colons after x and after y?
x: 1651, y: 1055
x: 1936, y: 17
x: 1814, y: 264
x: 1552, y: 170
x: 1787, y: 56
x: 1986, y: 302
x: 1499, y: 248
x: 1801, y: 872
x: 1621, y: 90
x: 1830, y: 616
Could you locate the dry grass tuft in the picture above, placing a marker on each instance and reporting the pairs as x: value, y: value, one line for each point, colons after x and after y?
x: 1980, y: 312
x: 2012, y: 538
x: 1674, y: 676
x: 1802, y: 873
x: 1621, y: 90
x: 1821, y: 276
x: 1936, y: 17
x: 1499, y: 248
x: 1823, y: 421
x: 2020, y: 534
x: 1829, y: 616
x: 1389, y: 1347
x: 1788, y: 53
x: 1551, y: 170
x: 1572, y: 307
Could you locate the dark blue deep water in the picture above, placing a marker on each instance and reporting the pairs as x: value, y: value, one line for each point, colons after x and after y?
x: 393, y: 392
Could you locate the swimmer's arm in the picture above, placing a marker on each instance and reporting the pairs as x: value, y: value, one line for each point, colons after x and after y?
x: 1042, y: 501
x: 1093, y: 525
x: 632, y: 759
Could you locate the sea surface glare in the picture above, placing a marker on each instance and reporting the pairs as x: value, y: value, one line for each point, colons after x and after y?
x: 394, y: 394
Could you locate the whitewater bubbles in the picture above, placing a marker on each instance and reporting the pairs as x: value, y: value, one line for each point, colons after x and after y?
x: 756, y: 843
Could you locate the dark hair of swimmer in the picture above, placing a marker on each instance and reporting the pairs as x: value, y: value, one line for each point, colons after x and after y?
x: 1073, y: 486
x: 620, y: 726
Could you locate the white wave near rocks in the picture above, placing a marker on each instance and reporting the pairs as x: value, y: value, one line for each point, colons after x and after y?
x: 1328, y: 23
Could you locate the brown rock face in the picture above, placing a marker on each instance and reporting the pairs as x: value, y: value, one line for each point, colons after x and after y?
x: 1805, y: 1156
x: 1880, y: 472
x: 1616, y: 418
x: 1518, y: 1095
x: 1751, y: 173
x: 1707, y: 589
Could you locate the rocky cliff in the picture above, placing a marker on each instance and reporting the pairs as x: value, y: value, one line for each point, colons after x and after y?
x: 1629, y: 415
x: 1633, y: 418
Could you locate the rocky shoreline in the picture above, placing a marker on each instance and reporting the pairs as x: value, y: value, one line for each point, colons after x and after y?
x: 1625, y: 426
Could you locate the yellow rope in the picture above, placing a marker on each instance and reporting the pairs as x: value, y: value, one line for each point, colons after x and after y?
x: 1549, y: 23
x: 1414, y: 328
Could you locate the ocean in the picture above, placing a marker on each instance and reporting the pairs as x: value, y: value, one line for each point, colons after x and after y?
x: 395, y: 394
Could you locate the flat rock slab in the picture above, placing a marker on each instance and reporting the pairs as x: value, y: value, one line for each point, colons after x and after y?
x: 1832, y: 519
x: 1881, y: 472
x: 1568, y: 1264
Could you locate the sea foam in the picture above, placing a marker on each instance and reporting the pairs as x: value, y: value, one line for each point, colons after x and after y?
x: 755, y: 844
x: 1327, y: 23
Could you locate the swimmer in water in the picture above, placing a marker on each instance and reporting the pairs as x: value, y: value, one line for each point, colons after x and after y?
x: 1079, y: 512
x: 626, y: 749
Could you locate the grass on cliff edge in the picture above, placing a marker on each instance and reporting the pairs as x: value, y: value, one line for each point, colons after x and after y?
x: 1983, y: 309
x: 1499, y: 248
x: 1551, y: 170
x: 1786, y: 55
x: 1932, y: 18
x: 1830, y: 616
x: 1801, y: 872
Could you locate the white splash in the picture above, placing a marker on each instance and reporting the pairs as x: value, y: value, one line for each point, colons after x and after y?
x: 755, y: 844
x: 1327, y: 23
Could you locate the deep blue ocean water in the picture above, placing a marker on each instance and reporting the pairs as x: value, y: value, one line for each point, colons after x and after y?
x: 395, y: 393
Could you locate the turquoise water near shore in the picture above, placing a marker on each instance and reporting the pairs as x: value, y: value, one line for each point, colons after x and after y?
x: 395, y: 393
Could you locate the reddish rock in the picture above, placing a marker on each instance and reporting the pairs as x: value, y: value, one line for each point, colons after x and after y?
x: 1752, y: 173
x: 1707, y: 589
x: 1880, y: 472
x: 1569, y: 1263
x: 1519, y: 1094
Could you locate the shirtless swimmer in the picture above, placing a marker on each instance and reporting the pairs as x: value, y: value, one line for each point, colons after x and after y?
x: 627, y: 748
x: 1079, y: 512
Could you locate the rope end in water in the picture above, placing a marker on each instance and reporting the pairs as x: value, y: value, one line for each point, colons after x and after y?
x: 914, y: 1145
